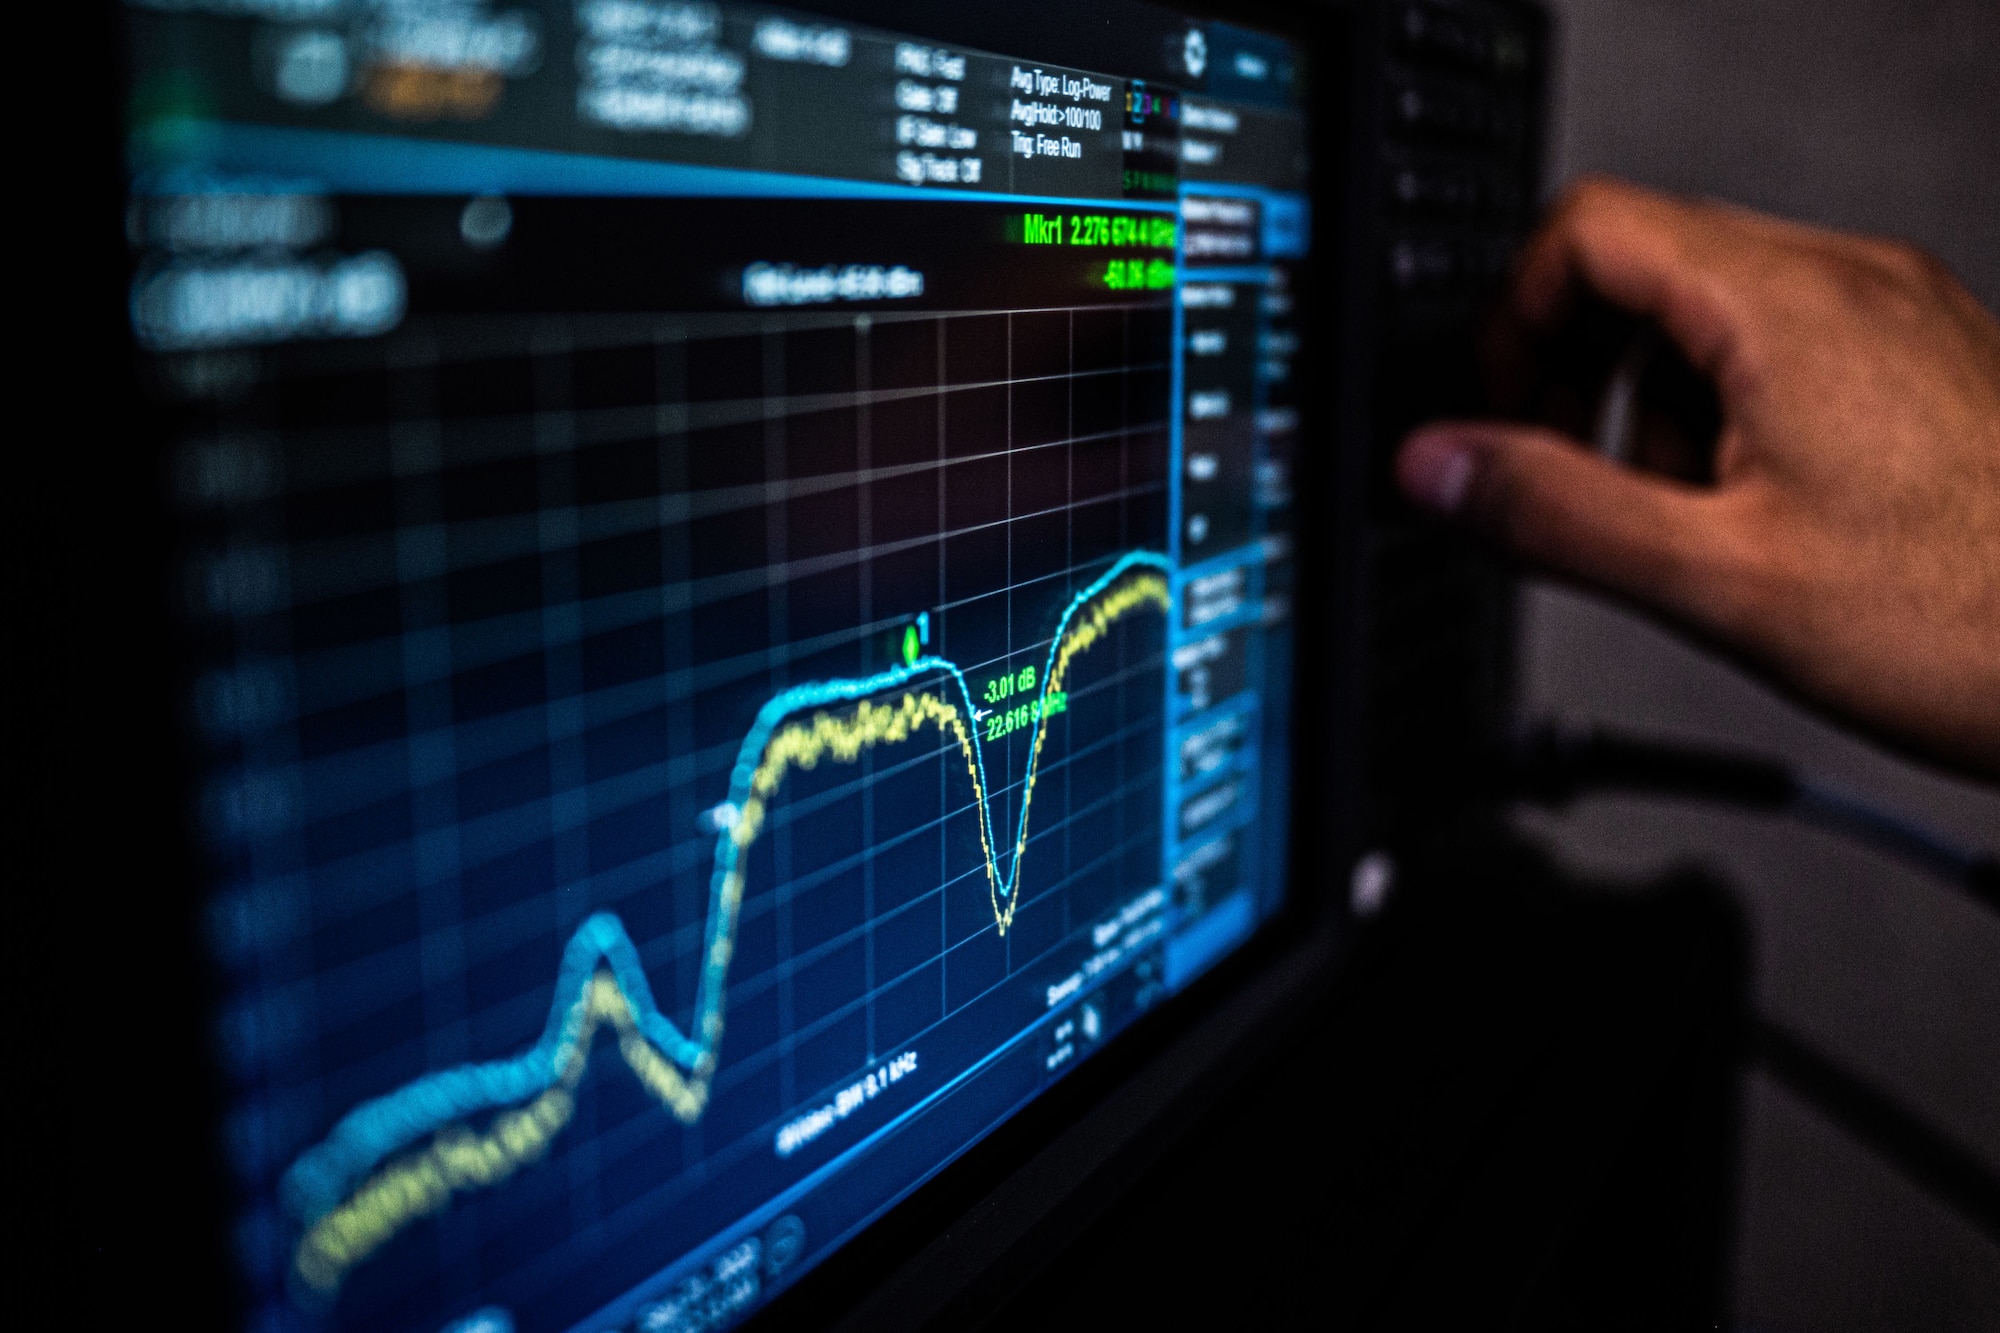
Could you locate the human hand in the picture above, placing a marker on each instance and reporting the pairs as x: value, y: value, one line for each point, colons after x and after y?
x: 1850, y: 544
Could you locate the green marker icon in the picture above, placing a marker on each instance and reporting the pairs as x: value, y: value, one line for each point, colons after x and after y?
x: 916, y: 638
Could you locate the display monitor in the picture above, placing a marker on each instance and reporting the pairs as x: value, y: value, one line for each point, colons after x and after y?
x: 733, y: 578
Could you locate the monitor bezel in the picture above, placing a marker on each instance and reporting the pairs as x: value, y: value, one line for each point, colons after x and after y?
x: 100, y: 702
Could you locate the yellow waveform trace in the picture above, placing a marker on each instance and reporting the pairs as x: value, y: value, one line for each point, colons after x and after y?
x: 422, y: 1182
x: 844, y: 737
x: 1148, y: 589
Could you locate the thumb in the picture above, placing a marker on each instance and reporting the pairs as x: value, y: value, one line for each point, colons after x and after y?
x: 1550, y: 499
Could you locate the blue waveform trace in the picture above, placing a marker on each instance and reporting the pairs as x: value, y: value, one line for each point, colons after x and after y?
x: 363, y: 1138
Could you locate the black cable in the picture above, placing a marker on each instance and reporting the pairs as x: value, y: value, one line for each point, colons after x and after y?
x: 1554, y: 765
x: 1949, y: 1171
x: 1842, y: 812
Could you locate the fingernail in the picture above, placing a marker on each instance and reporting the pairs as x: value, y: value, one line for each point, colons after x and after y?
x: 1436, y: 469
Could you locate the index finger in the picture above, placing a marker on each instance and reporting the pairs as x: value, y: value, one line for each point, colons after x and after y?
x: 1674, y: 260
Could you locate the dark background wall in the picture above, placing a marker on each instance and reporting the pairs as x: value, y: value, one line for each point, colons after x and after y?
x: 1884, y: 116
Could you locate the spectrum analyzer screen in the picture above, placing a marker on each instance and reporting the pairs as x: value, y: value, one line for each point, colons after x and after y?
x: 733, y: 577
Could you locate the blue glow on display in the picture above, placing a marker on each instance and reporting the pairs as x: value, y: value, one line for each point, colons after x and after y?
x: 729, y: 646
